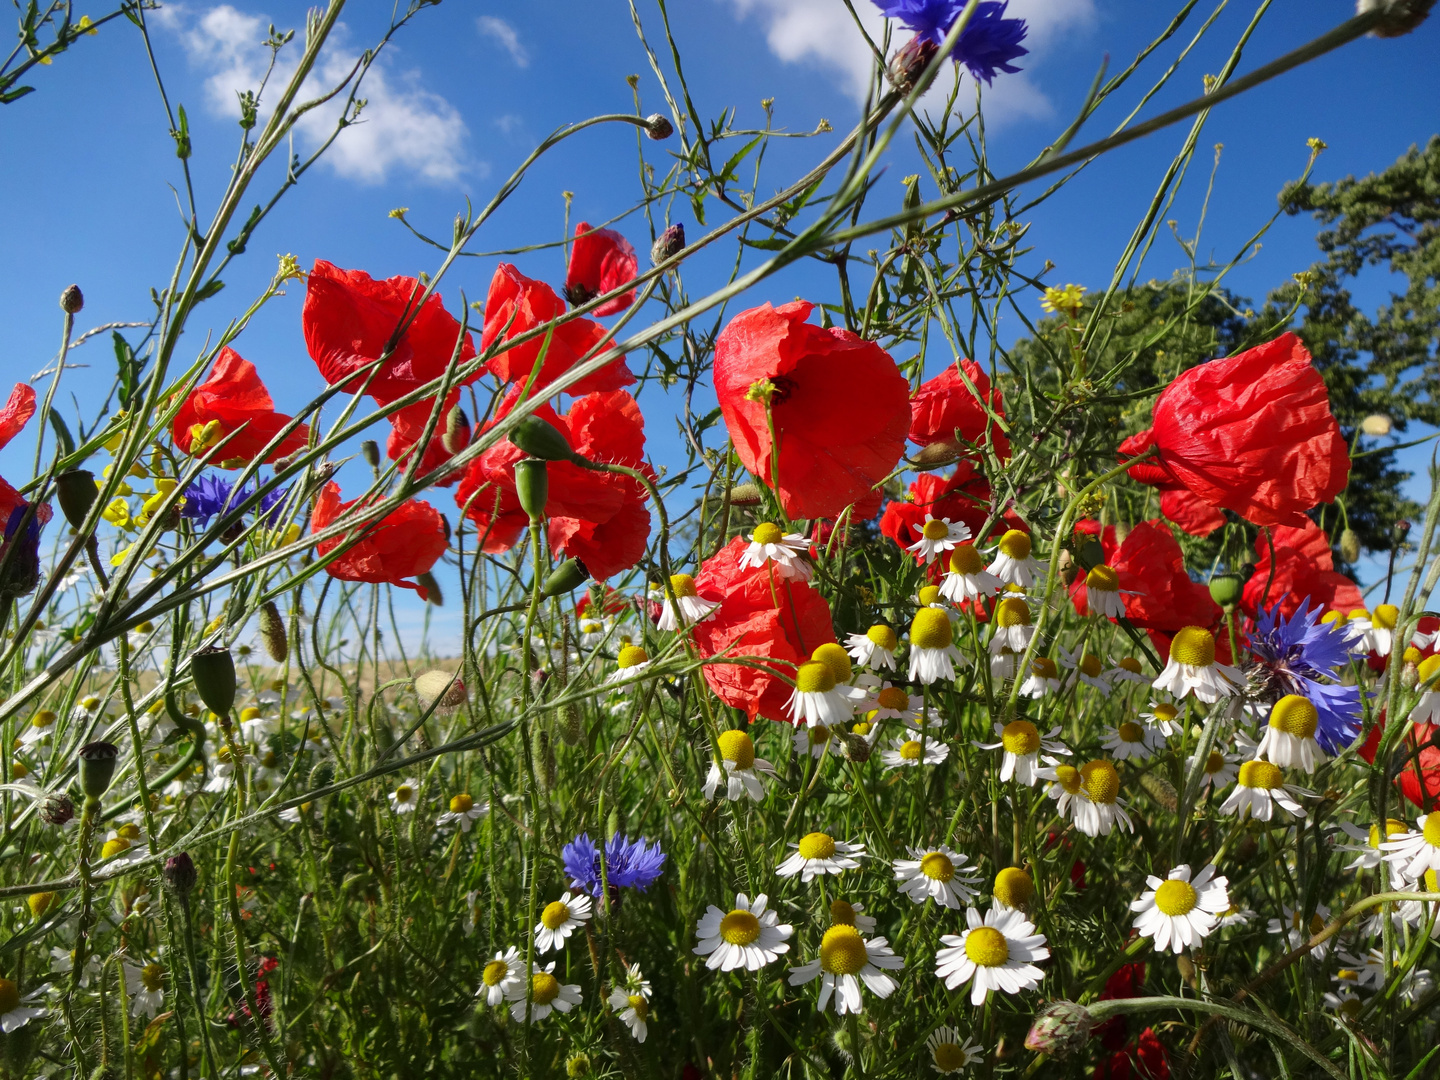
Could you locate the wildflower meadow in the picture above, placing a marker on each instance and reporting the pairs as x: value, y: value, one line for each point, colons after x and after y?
x: 925, y: 702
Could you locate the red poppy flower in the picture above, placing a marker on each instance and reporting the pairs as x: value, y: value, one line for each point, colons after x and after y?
x: 17, y: 412
x: 1127, y: 982
x: 962, y: 496
x: 1428, y: 761
x: 517, y: 304
x: 600, y: 260
x: 406, y: 542
x: 1144, y: 1059
x: 408, y: 425
x: 349, y: 319
x: 599, y: 518
x: 234, y: 400
x: 758, y: 616
x: 1151, y: 471
x: 1154, y: 585
x: 1187, y: 510
x: 840, y: 406
x: 614, y: 603
x: 1254, y: 434
x: 947, y: 410
x: 1304, y: 574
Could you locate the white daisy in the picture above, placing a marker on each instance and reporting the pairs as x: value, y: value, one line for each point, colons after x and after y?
x: 1164, y: 718
x: 547, y: 993
x: 875, y: 648
x: 40, y: 728
x: 843, y: 912
x: 14, y: 1013
x: 1127, y: 669
x: 1002, y: 664
x: 1343, y: 1002
x: 1089, y: 669
x: 1367, y: 970
x: 1295, y: 934
x: 1064, y: 784
x: 937, y: 536
x: 146, y: 987
x: 405, y: 797
x: 254, y: 728
x: 464, y: 811
x: 1179, y: 912
x: 1022, y: 743
x: 888, y: 702
x: 1259, y: 785
x: 967, y: 578
x: 749, y: 937
x: 1220, y: 769
x: 936, y: 873
x: 820, y: 853
x: 693, y: 608
x: 1192, y: 667
x: 502, y: 976
x: 1380, y: 635
x: 1427, y: 709
x: 630, y: 662
x: 1013, y: 564
x: 819, y: 698
x: 741, y: 768
x: 1368, y: 854
x: 632, y: 1009
x: 1102, y: 593
x: 1289, y: 738
x: 560, y: 919
x: 948, y: 1054
x: 125, y: 845
x: 1097, y: 805
x: 1013, y: 888
x: 846, y: 959
x: 933, y: 654
x: 1414, y: 853
x: 997, y: 953
x: 914, y: 750
x: 1010, y: 625
x: 787, y: 551
x: 1044, y: 678
x: 1234, y: 915
x: 815, y: 740
x: 1131, y: 740
x: 62, y: 962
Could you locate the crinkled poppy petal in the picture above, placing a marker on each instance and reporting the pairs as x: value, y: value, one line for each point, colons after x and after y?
x: 16, y: 413
x: 600, y: 260
x: 234, y: 397
x: 406, y: 542
x: 1304, y: 572
x: 1157, y: 592
x: 1151, y: 471
x: 946, y: 407
x: 1190, y: 512
x: 407, y: 427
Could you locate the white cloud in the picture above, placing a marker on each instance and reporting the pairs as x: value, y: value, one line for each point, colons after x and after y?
x: 821, y: 33
x: 402, y: 127
x: 505, y: 34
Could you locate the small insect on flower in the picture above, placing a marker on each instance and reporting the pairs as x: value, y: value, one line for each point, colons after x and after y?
x: 692, y: 607
x: 1131, y: 740
x: 997, y: 952
x: 936, y: 873
x: 1259, y: 787
x: 1013, y: 563
x: 933, y: 654
x: 1179, y: 912
x: 819, y: 853
x: 1416, y: 853
x: 948, y: 1053
x: 1011, y: 627
x: 749, y: 936
x: 967, y: 578
x: 846, y: 959
x: 502, y: 976
x: 741, y: 768
x: 1368, y: 853
x: 405, y: 797
x: 1289, y: 738
x: 1022, y: 743
x: 1192, y: 667
x: 785, y: 551
x: 464, y: 811
x: 559, y: 920
x: 630, y: 663
x: 146, y: 987
x: 937, y: 536
x: 1102, y: 593
x: 875, y: 648
x: 914, y: 750
x: 547, y: 993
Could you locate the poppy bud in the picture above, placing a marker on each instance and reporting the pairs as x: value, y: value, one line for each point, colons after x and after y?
x: 541, y: 439
x: 370, y: 451
x: 272, y: 632
x: 937, y: 454
x: 746, y: 494
x: 658, y: 127
x: 1376, y: 424
x: 433, y: 595
x: 1401, y: 16
x: 909, y: 62
x: 440, y: 688
x: 532, y: 485
x: 669, y: 244
x: 567, y: 577
x: 179, y: 874
x: 1225, y: 590
x: 56, y: 808
x: 1060, y: 1028
x: 1349, y: 546
x: 213, y: 670
x: 72, y: 300
x: 457, y: 431
x: 1399, y: 531
x: 77, y: 492
x: 97, y: 767
x: 574, y: 729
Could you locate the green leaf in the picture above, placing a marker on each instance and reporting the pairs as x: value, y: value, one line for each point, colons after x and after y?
x: 62, y: 434
x: 209, y: 289
x: 15, y: 95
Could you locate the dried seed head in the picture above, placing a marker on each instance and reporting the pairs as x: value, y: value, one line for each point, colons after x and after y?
x: 272, y: 632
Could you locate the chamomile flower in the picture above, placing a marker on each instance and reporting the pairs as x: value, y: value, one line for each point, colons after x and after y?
x: 1235, y: 915
x: 889, y: 702
x: 1427, y: 709
x: 948, y: 1054
x: 1192, y: 667
x: 815, y: 740
x: 967, y: 578
x: 692, y: 607
x: 936, y: 873
x: 1414, y: 853
x: 560, y: 919
x: 769, y: 543
x: 846, y: 960
x: 739, y: 769
x: 1127, y: 669
x: 125, y: 845
x: 633, y: 1009
x: 547, y: 993
x: 1368, y: 853
x: 915, y: 749
x: 62, y: 962
x: 1298, y: 930
x: 40, y: 728
x: 1013, y: 888
x: 1259, y: 787
x: 1089, y: 669
x: 749, y: 936
x: 1002, y: 664
x: 1131, y: 740
x: 630, y: 663
x: 1013, y: 564
x: 1221, y: 769
x: 1367, y: 970
x: 1164, y: 718
x: 845, y: 913
x: 997, y: 952
x: 1098, y: 806
x: 1179, y: 912
x: 875, y: 648
x: 502, y: 976
x: 1022, y: 743
x: 1010, y: 626
x: 1289, y: 738
x: 1044, y: 678
x: 818, y: 698
x: 146, y: 987
x: 937, y: 536
x: 1102, y: 592
x: 1064, y: 783
x: 405, y: 797
x: 1343, y: 1002
x: 14, y: 1013
x: 819, y: 853
x: 464, y: 811
x: 1380, y: 637
x: 933, y: 654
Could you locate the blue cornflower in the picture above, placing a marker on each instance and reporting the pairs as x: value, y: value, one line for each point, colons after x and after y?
x: 930, y: 19
x: 1301, y: 655
x: 22, y: 565
x: 629, y: 864
x: 988, y: 43
x: 209, y: 495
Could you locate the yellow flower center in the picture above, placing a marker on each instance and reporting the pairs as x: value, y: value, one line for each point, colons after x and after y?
x: 767, y: 532
x: 819, y: 733
x: 1102, y: 782
x: 494, y: 972
x: 630, y: 656
x: 1012, y: 611
x: 935, y: 529
x: 1393, y: 829
x: 555, y: 915
x: 931, y: 630
x: 129, y: 831
x: 842, y: 913
x: 682, y: 585
x: 1044, y: 668
x: 1260, y: 774
x: 9, y: 996
x: 1385, y: 617
x: 1130, y: 664
x: 964, y: 559
x: 42, y: 719
x: 40, y: 903
x: 740, y: 928
x: 1090, y: 665
x: 1176, y: 897
x: 18, y: 770
x: 815, y: 677
x: 1215, y: 762
x: 937, y: 866
x: 591, y: 627
x: 1014, y: 887
x: 1016, y: 544
x: 893, y: 698
x: 860, y: 728
x: 1165, y: 712
x: 816, y: 845
x: 114, y: 847
x: 1335, y: 618
x: 641, y: 1007
x: 404, y: 793
x: 461, y: 804
x: 1131, y: 732
x: 987, y: 946
x: 249, y: 713
x: 928, y: 594
x: 1193, y: 646
x: 842, y: 951
x: 948, y: 1057
x: 1431, y: 831
x: 1294, y: 715
x: 1069, y: 778
x: 1020, y: 737
x: 910, y: 751
x: 883, y: 636
x: 1347, y: 975
x: 836, y: 659
x: 1429, y: 668
x: 152, y: 976
x: 1103, y: 579
x: 1432, y: 881
x: 738, y: 747
x: 544, y: 988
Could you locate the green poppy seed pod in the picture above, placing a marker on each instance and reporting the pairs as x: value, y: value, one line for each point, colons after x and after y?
x: 97, y: 767
x: 56, y: 808
x: 457, y: 431
x: 370, y: 451
x: 1060, y: 1028
x: 433, y: 595
x: 668, y: 244
x: 179, y: 874
x: 1225, y: 590
x: 77, y: 493
x: 541, y: 439
x: 72, y: 300
x: 213, y: 670
x: 272, y: 632
x: 532, y: 485
x: 566, y: 578
x: 659, y: 127
x: 1349, y: 546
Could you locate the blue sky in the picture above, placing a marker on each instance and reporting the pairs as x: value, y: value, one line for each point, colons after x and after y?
x: 463, y: 94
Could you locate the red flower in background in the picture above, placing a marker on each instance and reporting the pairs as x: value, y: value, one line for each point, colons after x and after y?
x: 946, y: 409
x: 408, y: 425
x: 840, y: 406
x: 1304, y: 572
x: 1190, y: 512
x: 1428, y: 761
x: 1144, y: 1059
x: 1150, y: 471
x: 599, y: 518
x: 1254, y: 434
x: 758, y: 616
x: 517, y: 304
x: 234, y: 400
x: 600, y: 260
x: 1154, y: 585
x: 962, y: 496
x: 14, y: 416
x: 614, y: 603
x: 406, y: 542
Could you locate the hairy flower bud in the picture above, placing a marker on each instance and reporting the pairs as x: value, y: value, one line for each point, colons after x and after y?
x: 457, y: 431
x: 56, y: 808
x: 1376, y: 424
x: 938, y: 454
x: 1161, y: 790
x: 97, y: 767
x: 77, y: 493
x: 72, y: 300
x: 567, y: 577
x: 179, y: 874
x: 213, y: 670
x: 746, y: 494
x: 1060, y: 1028
x: 857, y: 748
x: 1349, y: 545
x: 272, y: 632
x: 1401, y: 16
x: 532, y: 485
x: 541, y: 439
x: 370, y: 451
x: 441, y: 688
x: 668, y: 244
x: 659, y: 127
x: 909, y: 62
